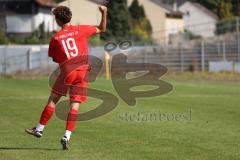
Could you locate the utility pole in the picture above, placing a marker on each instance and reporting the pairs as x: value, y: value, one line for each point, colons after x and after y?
x: 69, y: 4
x: 237, y: 28
x: 203, y: 56
x: 238, y: 39
x: 238, y: 8
x: 175, y: 6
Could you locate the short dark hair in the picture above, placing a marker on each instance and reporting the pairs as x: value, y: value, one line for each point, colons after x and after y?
x: 63, y: 14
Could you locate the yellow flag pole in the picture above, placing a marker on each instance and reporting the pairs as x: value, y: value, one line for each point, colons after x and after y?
x: 107, y: 67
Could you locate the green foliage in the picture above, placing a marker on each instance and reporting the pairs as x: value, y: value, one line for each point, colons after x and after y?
x: 141, y: 27
x: 225, y: 12
x: 34, y: 38
x: 236, y: 7
x: 226, y: 25
x: 39, y: 36
x: 95, y: 41
x: 118, y: 26
x: 136, y: 10
x: 125, y: 23
x: 211, y: 135
x: 141, y: 30
x: 210, y: 4
x: 191, y: 35
x: 3, y: 38
x: 224, y: 9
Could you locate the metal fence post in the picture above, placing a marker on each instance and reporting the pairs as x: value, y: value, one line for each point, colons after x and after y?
x: 224, y: 51
x: 29, y: 64
x: 203, y: 56
x: 181, y: 58
x: 5, y: 60
x: 238, y: 40
x: 219, y: 48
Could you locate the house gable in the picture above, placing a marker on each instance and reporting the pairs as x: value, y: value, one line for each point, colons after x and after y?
x: 198, y: 19
x: 17, y: 7
x: 24, y: 6
x: 202, y: 9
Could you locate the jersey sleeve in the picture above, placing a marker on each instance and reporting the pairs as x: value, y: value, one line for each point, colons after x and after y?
x: 88, y: 30
x: 52, y: 49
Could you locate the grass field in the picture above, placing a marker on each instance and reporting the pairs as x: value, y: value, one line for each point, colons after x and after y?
x: 211, y: 134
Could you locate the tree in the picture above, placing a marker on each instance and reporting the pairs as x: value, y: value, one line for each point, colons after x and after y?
x: 141, y: 27
x: 3, y: 38
x: 118, y: 25
x: 136, y: 10
x: 209, y: 4
x: 224, y: 9
x: 236, y: 7
x: 225, y: 14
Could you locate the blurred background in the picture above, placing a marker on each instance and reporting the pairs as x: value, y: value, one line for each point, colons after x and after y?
x: 183, y: 35
x: 198, y: 41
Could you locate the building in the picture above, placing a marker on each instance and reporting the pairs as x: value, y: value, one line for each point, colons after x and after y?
x: 164, y: 20
x: 174, y: 26
x: 84, y: 11
x: 198, y: 19
x: 22, y: 17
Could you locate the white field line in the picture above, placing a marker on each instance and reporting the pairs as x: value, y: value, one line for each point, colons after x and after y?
x: 166, y: 96
x: 205, y: 96
x: 24, y: 98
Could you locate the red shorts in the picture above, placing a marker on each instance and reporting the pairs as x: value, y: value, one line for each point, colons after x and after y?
x: 75, y: 84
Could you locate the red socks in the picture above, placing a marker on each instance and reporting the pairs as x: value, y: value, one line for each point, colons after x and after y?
x: 46, y: 115
x: 71, y: 121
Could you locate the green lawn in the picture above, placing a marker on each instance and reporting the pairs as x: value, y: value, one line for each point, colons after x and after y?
x: 212, y: 133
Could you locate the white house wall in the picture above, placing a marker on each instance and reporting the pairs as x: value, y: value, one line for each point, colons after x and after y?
x: 157, y: 17
x: 28, y: 23
x: 198, y: 21
x: 173, y: 26
x: 48, y: 19
x: 19, y: 23
x: 84, y: 11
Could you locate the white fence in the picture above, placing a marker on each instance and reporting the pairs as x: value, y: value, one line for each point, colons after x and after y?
x: 186, y: 56
x: 23, y: 58
x: 30, y: 57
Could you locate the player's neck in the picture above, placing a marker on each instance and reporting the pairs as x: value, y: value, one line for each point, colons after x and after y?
x: 65, y: 25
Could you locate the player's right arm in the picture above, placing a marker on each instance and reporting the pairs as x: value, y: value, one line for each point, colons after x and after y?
x: 103, y: 24
x: 89, y: 30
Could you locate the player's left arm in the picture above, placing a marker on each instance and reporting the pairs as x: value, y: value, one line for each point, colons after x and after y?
x: 52, y: 50
x: 103, y: 24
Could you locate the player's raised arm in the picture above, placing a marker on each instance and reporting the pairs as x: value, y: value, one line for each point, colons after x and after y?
x: 103, y: 25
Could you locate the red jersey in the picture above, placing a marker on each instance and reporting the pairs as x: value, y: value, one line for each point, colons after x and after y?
x: 68, y: 45
x: 69, y: 42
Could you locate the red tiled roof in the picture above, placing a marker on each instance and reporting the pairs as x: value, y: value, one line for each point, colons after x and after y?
x: 46, y: 3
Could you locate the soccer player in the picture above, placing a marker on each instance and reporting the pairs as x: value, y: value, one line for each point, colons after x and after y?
x: 68, y: 43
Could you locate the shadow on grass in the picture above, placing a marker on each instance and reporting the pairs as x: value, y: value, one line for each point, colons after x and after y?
x: 25, y: 148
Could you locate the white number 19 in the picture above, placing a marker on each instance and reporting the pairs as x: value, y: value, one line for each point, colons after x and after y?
x: 70, y: 47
